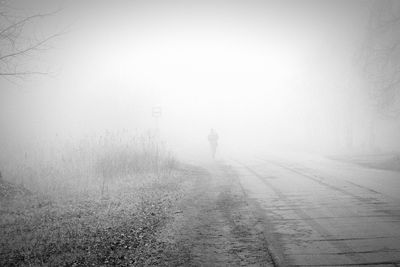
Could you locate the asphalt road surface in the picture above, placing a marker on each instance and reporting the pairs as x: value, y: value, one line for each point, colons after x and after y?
x: 318, y: 212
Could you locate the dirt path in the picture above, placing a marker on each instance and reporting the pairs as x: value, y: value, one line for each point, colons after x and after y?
x: 215, y: 224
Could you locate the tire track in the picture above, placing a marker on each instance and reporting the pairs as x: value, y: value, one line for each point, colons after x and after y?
x: 343, y: 249
x: 216, y: 224
x: 270, y: 243
x: 317, y: 227
x: 368, y: 201
x: 321, y: 182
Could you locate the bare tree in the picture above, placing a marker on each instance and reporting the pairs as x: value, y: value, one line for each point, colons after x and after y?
x: 380, y: 57
x: 18, y: 42
x: 379, y: 60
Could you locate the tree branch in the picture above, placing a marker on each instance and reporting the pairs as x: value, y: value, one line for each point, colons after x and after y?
x: 24, y: 73
x: 22, y: 22
x: 29, y: 48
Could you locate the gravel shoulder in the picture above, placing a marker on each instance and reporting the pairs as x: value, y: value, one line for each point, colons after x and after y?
x: 215, y: 224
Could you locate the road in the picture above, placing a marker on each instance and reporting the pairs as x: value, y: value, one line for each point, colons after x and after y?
x: 319, y: 212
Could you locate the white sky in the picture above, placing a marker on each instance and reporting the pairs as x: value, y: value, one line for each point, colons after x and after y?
x: 259, y: 72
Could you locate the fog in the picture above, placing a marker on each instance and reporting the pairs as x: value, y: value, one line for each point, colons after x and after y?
x: 267, y: 75
x: 199, y: 132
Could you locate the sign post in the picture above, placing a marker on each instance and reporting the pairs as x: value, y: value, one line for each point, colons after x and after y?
x: 156, y: 112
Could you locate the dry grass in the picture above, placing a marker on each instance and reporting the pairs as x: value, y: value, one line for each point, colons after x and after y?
x: 99, y: 206
x: 120, y: 229
x: 87, y: 165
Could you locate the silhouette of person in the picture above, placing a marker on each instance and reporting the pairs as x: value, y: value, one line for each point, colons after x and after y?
x: 213, y: 140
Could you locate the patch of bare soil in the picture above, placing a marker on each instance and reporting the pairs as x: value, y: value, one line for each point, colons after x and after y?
x: 215, y: 225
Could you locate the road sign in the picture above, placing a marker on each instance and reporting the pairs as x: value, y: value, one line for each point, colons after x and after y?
x: 156, y: 112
